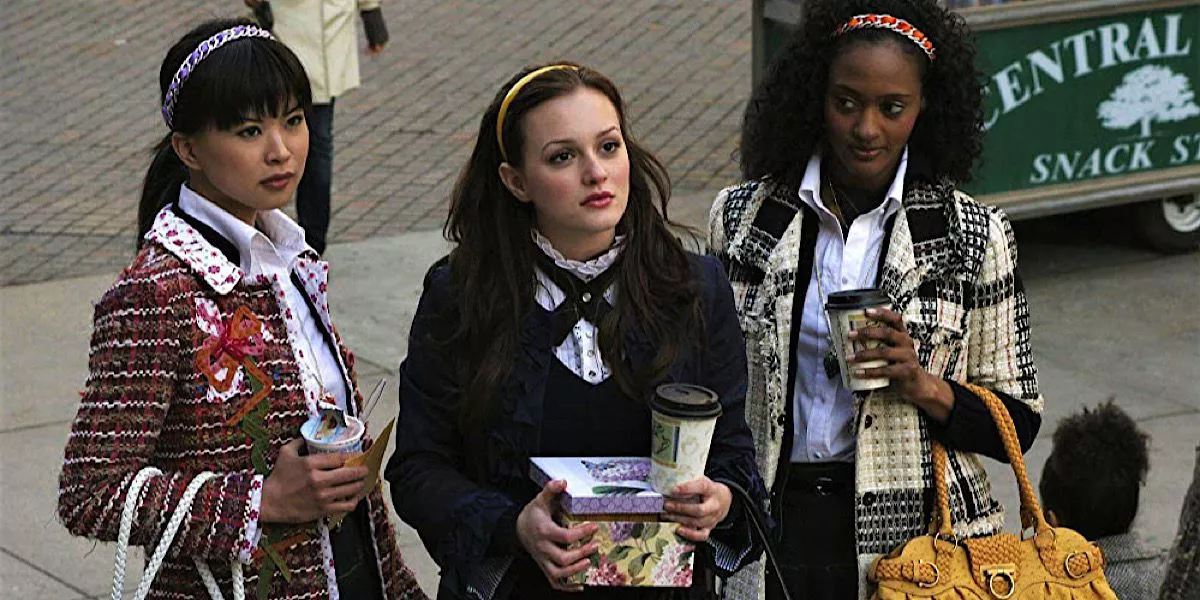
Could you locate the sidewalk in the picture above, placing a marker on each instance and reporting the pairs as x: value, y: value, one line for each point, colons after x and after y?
x: 376, y: 283
x: 79, y: 108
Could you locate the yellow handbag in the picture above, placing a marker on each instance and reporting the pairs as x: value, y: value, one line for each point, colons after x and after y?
x: 1055, y: 563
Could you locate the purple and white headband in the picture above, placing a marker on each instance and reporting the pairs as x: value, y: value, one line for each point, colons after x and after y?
x: 200, y: 53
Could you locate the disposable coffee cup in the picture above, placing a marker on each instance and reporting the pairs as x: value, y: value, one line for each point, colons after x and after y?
x: 342, y: 439
x: 848, y: 312
x: 683, y: 417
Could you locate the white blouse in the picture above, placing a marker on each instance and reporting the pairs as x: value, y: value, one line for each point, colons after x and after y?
x: 272, y: 252
x: 580, y: 352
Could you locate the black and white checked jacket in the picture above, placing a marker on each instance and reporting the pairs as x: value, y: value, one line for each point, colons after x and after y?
x: 950, y: 269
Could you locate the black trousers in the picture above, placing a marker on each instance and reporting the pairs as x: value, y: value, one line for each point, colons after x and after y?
x: 354, y: 556
x: 816, y: 553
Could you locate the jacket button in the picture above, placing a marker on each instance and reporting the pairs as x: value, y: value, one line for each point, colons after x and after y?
x: 868, y: 499
x: 867, y: 421
x: 782, y: 420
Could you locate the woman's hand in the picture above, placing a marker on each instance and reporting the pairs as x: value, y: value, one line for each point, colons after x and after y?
x: 909, y: 379
x: 698, y: 506
x: 306, y: 488
x: 547, y: 541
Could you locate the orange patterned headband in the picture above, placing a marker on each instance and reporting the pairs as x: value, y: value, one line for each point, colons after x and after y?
x: 900, y: 26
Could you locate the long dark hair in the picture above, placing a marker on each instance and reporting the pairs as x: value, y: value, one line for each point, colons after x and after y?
x: 785, y: 119
x: 492, y: 266
x: 245, y: 77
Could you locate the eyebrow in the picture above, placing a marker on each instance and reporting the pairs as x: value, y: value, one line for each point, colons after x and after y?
x: 249, y: 119
x: 598, y: 135
x: 847, y: 89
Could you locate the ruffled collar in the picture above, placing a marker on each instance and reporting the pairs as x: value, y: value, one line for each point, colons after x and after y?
x: 585, y: 270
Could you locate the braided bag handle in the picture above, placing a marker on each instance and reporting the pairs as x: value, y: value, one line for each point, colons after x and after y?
x: 1031, y: 509
x: 154, y: 563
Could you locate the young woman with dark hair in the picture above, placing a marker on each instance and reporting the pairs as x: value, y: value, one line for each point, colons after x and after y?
x: 853, y: 147
x: 565, y: 301
x: 215, y: 345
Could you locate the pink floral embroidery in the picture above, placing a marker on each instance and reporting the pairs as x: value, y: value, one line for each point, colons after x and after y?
x: 235, y: 340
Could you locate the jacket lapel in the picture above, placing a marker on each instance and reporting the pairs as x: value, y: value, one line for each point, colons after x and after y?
x: 768, y: 218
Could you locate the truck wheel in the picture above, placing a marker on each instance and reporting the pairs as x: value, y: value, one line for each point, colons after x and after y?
x: 1170, y: 225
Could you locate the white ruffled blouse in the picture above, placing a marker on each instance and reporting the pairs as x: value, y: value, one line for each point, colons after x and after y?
x: 580, y: 352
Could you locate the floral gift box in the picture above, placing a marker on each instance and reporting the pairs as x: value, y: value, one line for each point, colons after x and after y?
x: 636, y: 548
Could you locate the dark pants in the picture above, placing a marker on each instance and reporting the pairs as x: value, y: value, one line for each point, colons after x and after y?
x: 313, y: 193
x: 354, y: 556
x: 817, y: 554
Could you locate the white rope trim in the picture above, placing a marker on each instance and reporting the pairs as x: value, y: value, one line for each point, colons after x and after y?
x: 154, y: 563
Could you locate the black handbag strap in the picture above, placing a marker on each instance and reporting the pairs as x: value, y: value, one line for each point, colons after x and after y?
x: 754, y: 513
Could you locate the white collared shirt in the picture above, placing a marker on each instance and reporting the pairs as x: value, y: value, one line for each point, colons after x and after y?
x: 580, y: 352
x: 823, y: 419
x: 271, y: 253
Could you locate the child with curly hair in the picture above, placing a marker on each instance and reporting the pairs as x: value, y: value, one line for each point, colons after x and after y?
x: 853, y: 149
x: 1091, y: 483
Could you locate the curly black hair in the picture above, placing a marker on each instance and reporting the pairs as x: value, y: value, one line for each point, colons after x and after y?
x: 1093, y: 477
x: 785, y: 118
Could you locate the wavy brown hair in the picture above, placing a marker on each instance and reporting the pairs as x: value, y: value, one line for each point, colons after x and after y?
x: 492, y: 266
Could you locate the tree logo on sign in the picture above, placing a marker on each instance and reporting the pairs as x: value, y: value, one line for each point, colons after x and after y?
x: 1151, y: 94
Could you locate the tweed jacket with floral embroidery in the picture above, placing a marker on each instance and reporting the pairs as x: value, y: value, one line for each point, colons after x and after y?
x: 182, y: 343
x: 950, y: 270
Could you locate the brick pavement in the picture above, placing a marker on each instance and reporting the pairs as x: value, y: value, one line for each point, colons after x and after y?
x: 79, y: 108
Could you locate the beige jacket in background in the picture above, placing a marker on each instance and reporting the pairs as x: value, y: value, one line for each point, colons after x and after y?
x: 322, y: 34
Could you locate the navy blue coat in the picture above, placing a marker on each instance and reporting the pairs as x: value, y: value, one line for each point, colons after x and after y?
x: 462, y: 490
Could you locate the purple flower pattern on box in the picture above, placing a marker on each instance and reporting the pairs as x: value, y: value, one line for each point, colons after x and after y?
x: 621, y: 531
x: 619, y: 469
x: 606, y: 573
x: 583, y: 502
x: 643, y: 554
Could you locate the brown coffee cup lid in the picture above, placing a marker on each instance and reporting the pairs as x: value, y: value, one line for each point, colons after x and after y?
x: 686, y: 401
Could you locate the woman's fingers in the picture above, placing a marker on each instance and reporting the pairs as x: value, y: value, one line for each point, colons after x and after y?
x: 562, y: 558
x: 891, y: 317
x: 342, y: 492
x: 337, y: 477
x: 689, y: 509
x: 694, y: 534
x: 565, y: 536
x: 894, y: 354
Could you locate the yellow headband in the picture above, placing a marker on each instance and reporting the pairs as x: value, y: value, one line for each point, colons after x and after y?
x: 512, y: 93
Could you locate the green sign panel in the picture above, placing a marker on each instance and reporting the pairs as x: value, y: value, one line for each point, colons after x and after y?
x: 1082, y: 100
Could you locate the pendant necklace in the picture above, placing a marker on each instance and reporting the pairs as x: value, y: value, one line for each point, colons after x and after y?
x: 830, y: 360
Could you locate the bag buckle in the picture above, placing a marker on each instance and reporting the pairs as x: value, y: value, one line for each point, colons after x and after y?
x: 1080, y: 573
x: 1005, y: 573
x: 937, y: 575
